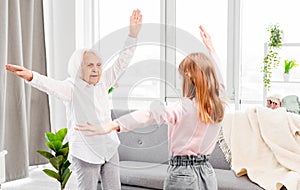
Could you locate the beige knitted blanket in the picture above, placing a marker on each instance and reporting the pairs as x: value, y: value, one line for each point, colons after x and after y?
x: 265, y: 145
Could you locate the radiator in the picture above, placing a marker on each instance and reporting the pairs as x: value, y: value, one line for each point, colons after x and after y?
x: 2, y: 166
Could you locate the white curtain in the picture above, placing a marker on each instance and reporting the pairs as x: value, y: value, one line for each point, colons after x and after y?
x: 24, y: 111
x: 59, y: 24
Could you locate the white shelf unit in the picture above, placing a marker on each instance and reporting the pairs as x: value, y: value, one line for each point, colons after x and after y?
x: 289, y: 87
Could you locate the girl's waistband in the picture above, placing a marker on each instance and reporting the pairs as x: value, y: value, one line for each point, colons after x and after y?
x: 186, y: 160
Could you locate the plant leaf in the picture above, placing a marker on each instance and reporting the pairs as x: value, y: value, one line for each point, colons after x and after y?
x: 50, y: 136
x: 57, y: 162
x: 45, y: 154
x: 57, y: 145
x: 110, y: 90
x: 51, y: 146
x: 65, y: 166
x: 52, y: 173
x: 65, y: 173
x: 64, y: 152
x: 65, y: 179
x: 65, y: 145
x: 54, y: 145
x: 60, y: 135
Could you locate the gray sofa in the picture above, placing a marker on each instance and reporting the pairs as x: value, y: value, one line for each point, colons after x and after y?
x: 144, y: 161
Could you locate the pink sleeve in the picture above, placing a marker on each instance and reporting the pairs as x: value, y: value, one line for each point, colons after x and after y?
x: 156, y: 116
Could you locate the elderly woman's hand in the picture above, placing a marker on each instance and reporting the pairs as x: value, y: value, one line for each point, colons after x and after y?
x: 135, y: 23
x: 20, y: 71
x: 98, y: 129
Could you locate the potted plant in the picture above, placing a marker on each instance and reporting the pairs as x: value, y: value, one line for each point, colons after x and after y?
x: 288, y: 65
x: 59, y: 158
x: 272, y: 59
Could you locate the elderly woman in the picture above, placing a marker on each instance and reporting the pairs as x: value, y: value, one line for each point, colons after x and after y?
x: 85, y: 95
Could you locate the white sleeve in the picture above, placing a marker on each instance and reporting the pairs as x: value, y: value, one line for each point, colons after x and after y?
x: 60, y: 89
x: 111, y: 75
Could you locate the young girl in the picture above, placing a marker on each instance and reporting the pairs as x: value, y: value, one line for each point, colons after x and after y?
x: 85, y: 95
x: 193, y: 122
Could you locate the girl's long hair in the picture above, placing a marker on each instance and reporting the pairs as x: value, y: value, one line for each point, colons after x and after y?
x: 200, y: 82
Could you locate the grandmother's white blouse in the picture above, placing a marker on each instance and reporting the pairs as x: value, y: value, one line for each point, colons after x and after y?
x: 88, y: 103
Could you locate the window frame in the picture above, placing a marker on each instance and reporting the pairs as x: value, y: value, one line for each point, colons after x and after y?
x: 168, y: 37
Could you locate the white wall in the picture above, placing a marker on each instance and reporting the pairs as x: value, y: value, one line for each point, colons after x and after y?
x: 59, y: 19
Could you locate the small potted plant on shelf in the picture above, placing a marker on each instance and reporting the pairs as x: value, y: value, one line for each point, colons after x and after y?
x: 288, y: 65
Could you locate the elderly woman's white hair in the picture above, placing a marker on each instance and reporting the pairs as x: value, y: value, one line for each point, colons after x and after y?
x: 75, y: 61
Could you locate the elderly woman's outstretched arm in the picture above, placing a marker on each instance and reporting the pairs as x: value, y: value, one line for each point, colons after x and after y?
x: 60, y: 89
x: 111, y: 75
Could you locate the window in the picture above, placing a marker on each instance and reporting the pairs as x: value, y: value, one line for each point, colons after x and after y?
x: 152, y: 74
x: 213, y: 16
x: 256, y: 16
x: 107, y: 22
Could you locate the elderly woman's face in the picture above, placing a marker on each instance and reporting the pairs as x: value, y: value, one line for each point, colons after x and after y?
x: 91, y: 68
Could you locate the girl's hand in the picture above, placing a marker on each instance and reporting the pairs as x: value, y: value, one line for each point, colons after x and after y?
x: 135, y: 23
x: 98, y: 129
x: 206, y: 39
x: 19, y: 71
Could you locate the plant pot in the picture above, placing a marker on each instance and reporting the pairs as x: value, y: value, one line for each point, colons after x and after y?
x: 286, y: 77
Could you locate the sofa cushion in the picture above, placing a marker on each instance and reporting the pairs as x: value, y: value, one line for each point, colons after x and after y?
x: 151, y: 175
x: 148, y: 144
x: 217, y: 159
x: 116, y: 113
x: 227, y: 180
x: 143, y: 174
